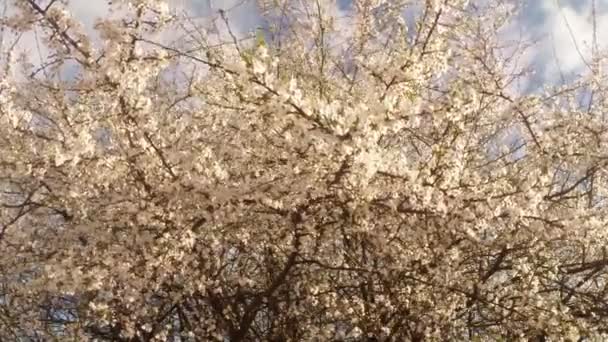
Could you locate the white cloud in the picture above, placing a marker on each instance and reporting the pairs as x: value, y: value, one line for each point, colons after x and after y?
x: 559, y: 26
x: 566, y: 29
x: 571, y: 37
x: 242, y: 15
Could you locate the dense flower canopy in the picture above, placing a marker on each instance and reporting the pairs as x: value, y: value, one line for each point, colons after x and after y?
x: 383, y: 180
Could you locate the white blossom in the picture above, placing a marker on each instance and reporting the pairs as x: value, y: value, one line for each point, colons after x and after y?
x: 325, y: 184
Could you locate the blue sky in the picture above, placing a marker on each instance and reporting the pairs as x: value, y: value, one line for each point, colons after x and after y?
x: 564, y: 27
x: 560, y: 23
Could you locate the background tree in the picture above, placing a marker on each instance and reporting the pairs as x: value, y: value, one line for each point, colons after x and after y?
x: 378, y: 181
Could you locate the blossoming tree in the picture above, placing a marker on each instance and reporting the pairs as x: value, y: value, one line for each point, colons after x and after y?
x: 371, y: 178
